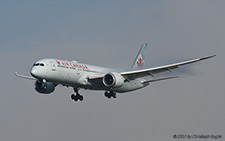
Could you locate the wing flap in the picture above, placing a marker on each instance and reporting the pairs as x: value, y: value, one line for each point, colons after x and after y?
x: 160, y: 79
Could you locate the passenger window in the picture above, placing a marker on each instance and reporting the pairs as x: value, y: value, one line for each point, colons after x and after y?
x: 42, y: 64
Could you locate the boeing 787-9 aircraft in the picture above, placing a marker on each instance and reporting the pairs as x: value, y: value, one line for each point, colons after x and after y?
x: 48, y: 73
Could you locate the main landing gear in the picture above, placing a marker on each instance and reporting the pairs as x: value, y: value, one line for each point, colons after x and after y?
x: 110, y: 94
x: 77, y: 96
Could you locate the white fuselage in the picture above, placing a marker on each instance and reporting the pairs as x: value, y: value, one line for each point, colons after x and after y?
x: 75, y: 75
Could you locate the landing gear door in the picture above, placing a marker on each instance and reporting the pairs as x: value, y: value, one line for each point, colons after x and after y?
x: 53, y: 66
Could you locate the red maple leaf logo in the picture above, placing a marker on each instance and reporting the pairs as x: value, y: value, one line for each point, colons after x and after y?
x: 140, y: 63
x: 58, y: 62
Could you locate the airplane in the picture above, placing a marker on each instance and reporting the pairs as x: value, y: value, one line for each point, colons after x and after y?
x: 48, y: 73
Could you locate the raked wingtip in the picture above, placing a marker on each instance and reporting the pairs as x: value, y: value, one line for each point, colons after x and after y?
x: 207, y: 57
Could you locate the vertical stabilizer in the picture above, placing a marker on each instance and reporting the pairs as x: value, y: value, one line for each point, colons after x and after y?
x: 140, y: 59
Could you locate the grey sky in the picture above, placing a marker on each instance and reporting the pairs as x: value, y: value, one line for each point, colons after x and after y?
x: 109, y: 33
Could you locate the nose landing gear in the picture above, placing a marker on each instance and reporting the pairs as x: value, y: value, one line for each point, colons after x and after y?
x: 77, y: 96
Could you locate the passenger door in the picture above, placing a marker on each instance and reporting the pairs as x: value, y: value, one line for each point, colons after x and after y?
x: 53, y: 66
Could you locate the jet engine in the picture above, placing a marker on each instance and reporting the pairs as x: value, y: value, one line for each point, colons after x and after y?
x: 44, y: 87
x: 113, y: 80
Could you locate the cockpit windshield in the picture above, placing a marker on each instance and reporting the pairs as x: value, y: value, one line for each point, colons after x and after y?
x: 39, y: 64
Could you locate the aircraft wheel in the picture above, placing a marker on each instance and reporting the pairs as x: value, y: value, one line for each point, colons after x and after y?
x: 76, y: 99
x: 114, y: 95
x: 73, y: 96
x: 80, y: 97
x: 106, y: 94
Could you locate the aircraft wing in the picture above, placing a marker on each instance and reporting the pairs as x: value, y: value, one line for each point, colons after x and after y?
x: 25, y: 77
x: 131, y: 75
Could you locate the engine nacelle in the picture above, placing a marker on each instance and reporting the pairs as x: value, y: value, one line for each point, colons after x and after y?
x: 113, y: 80
x: 44, y: 87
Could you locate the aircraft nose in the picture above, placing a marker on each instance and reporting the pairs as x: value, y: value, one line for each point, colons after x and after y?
x: 34, y: 72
